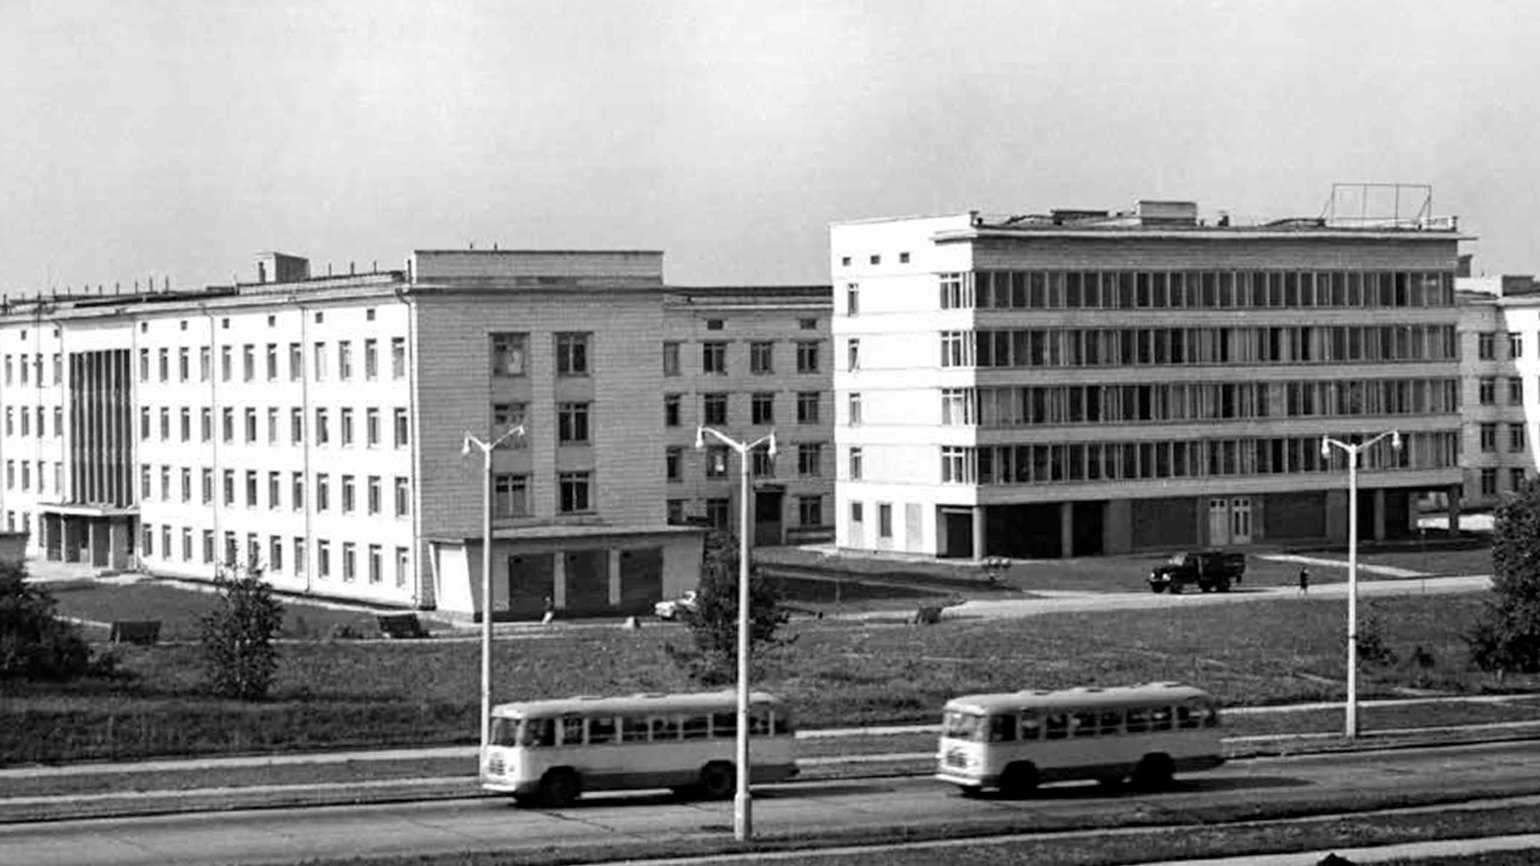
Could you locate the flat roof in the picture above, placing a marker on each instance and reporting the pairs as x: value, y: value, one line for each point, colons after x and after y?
x: 1077, y: 698
x: 644, y: 702
x: 568, y: 530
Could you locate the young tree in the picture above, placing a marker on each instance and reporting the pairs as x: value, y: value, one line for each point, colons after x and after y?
x: 34, y: 643
x: 1507, y: 636
x: 239, y: 657
x: 712, y: 657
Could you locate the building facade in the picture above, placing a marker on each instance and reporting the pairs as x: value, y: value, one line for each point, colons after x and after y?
x: 1500, y: 385
x: 1085, y: 382
x: 314, y: 426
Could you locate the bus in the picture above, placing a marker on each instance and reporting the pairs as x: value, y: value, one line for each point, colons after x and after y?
x: 1014, y: 741
x: 551, y: 751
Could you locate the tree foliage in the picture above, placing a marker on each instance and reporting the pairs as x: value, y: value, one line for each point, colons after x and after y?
x: 34, y: 644
x: 711, y: 659
x: 240, y: 659
x: 1506, y: 638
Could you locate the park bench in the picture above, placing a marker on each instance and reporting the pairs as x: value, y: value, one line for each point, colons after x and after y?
x: 143, y: 632
x: 401, y: 626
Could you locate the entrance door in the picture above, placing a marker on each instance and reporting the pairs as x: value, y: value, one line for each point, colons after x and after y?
x: 1219, y: 522
x: 767, y: 516
x: 1240, y: 520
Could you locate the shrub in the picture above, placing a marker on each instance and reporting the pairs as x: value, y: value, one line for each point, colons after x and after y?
x: 34, y: 644
x: 1372, y: 648
x: 1506, y: 637
x: 712, y: 657
x: 240, y: 660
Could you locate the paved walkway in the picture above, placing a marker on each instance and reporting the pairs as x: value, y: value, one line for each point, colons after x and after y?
x: 1379, y: 853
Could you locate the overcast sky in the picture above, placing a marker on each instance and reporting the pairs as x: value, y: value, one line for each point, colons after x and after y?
x: 178, y: 139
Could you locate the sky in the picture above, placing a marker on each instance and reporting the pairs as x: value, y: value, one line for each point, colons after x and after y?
x: 175, y: 140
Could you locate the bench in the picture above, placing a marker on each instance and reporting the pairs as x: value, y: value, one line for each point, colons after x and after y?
x: 142, y: 632
x: 401, y: 626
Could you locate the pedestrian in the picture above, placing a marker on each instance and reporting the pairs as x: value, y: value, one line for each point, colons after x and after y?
x: 550, y: 611
x: 1304, y: 580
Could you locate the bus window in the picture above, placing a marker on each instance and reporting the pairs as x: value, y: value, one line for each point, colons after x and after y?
x: 572, y: 730
x: 1002, y: 728
x: 1138, y: 720
x: 759, y: 721
x: 601, y: 731
x: 1211, y: 716
x: 1111, y: 722
x: 665, y: 728
x: 505, y: 732
x: 1084, y: 723
x: 1185, y: 717
x: 961, y: 726
x: 634, y: 729
x: 1056, y: 725
x: 1031, y: 725
x: 1160, y: 718
x: 538, y: 732
x: 782, y: 723
x: 697, y: 727
x: 724, y: 724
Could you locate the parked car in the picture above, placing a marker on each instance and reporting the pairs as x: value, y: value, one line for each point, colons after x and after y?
x: 1209, y: 570
x: 671, y: 608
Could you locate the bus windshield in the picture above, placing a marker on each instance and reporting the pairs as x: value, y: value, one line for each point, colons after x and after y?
x: 523, y: 732
x: 958, y: 725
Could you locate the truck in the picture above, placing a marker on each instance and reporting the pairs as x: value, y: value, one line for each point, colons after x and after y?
x: 1209, y: 570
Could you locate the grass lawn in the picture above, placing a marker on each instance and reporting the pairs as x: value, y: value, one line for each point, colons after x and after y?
x: 349, y: 693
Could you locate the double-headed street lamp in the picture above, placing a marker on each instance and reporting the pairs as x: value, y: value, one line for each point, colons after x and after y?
x: 1353, y: 449
x: 486, y: 574
x: 743, y: 822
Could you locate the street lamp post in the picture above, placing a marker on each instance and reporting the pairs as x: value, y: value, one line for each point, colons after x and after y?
x: 486, y: 574
x: 743, y: 818
x: 1353, y: 449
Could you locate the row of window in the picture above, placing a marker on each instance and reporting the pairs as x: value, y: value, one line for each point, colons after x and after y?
x: 251, y: 425
x: 510, y: 353
x: 1517, y: 439
x: 1093, y: 347
x: 714, y: 408
x: 762, y: 357
x: 321, y: 353
x: 762, y: 464
x: 717, y: 511
x: 875, y: 259
x: 1060, y: 725
x: 576, y: 730
x: 1097, y: 461
x: 176, y: 484
x: 1486, y: 391
x: 35, y: 365
x: 1101, y: 404
x: 27, y: 427
x: 161, y: 542
x: 25, y: 476
x: 1517, y: 478
x: 1194, y: 290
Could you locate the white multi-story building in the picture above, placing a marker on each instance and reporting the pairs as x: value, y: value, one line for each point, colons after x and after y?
x: 1087, y: 382
x: 1500, y: 385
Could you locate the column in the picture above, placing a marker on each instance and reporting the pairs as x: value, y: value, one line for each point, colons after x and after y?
x: 614, y: 577
x: 1379, y: 514
x: 1066, y: 529
x: 978, y: 531
x: 1452, y: 495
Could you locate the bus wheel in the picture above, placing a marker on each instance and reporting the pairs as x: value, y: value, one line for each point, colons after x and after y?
x: 1018, y: 780
x: 717, y: 780
x: 560, y: 788
x: 1153, y: 772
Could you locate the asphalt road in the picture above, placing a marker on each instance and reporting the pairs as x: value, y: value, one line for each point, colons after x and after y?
x: 291, y: 835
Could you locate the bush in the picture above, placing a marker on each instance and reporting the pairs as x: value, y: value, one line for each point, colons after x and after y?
x: 712, y: 659
x: 34, y: 644
x: 240, y: 660
x: 1506, y: 638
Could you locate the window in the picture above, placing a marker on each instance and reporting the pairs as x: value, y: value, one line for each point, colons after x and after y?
x: 572, y: 354
x: 403, y: 566
x: 1486, y: 390
x: 505, y: 417
x: 248, y: 362
x: 229, y: 486
x: 208, y: 486
x: 854, y: 463
x: 903, y: 258
x: 1515, y: 344
x: 184, y: 425
x: 509, y: 354
x: 884, y: 520
x: 807, y: 407
x: 1486, y: 346
x: 852, y: 299
x: 296, y: 425
x: 371, y: 359
x: 274, y: 489
x: 1515, y: 391
x: 853, y: 353
x: 205, y: 363
x: 716, y: 461
x: 809, y: 510
x: 186, y: 483
x: 225, y: 364
x: 670, y: 410
x: 807, y: 356
x: 318, y: 361
x: 183, y: 364
x: 1516, y: 479
x: 571, y: 423
x: 348, y: 500
x: 807, y: 324
x: 296, y: 364
x: 714, y: 408
x: 673, y: 457
x: 716, y: 512
x: 1489, y: 481
x: 957, y: 464
x: 1516, y: 437
x: 763, y: 464
x: 574, y: 492
x: 853, y: 416
x: 144, y: 366
x: 275, y: 552
x: 345, y: 424
x: 510, y: 495
x: 372, y: 498
x: 251, y: 424
x: 372, y: 427
x: 300, y: 562
x: 297, y: 495
x: 227, y: 424
x: 144, y: 422
x: 762, y: 408
x: 398, y: 357
x: 403, y: 497
x: 187, y: 544
x: 675, y: 512
x: 323, y: 433
x: 251, y: 488
x: 375, y: 567
x: 272, y: 363
x: 323, y: 558
x: 714, y: 324
x: 272, y: 425
x: 208, y: 545
x: 875, y: 259
x: 957, y: 406
x: 762, y: 357
x: 403, y: 439
x: 670, y: 358
x: 713, y: 357
x: 809, y: 459
x: 344, y: 360
x: 322, y: 491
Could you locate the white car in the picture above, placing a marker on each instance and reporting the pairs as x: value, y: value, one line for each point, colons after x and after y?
x: 671, y: 608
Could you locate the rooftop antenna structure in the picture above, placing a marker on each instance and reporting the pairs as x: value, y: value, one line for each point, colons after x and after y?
x: 1379, y: 205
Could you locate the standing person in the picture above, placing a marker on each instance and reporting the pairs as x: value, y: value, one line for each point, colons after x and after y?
x: 1304, y: 580
x: 550, y: 611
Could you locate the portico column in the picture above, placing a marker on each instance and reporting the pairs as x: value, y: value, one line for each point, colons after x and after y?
x: 1066, y: 529
x: 978, y: 531
x: 1379, y: 514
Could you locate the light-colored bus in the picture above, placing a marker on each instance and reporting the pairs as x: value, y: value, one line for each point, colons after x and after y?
x: 1012, y: 742
x: 551, y: 751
